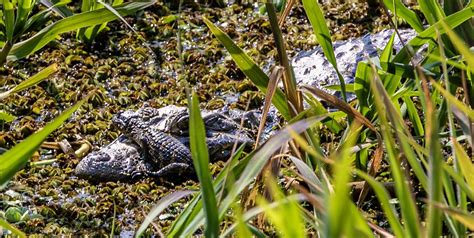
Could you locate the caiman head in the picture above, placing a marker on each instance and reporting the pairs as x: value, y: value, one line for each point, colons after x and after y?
x: 118, y: 161
x: 222, y: 131
x: 123, y: 158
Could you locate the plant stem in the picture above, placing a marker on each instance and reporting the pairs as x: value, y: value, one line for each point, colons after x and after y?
x: 5, y: 51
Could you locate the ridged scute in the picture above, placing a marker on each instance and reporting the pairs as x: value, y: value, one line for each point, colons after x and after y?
x: 161, y: 148
x: 155, y: 143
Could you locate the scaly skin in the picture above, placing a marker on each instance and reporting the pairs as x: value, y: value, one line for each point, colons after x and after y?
x: 155, y: 143
x: 165, y: 151
x: 164, y: 131
x: 118, y: 161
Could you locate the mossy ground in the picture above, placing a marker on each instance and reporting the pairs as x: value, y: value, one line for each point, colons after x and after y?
x: 123, y: 71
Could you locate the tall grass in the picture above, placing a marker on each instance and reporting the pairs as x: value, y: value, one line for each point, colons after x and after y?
x: 17, y: 19
x: 402, y: 112
x: 20, y: 18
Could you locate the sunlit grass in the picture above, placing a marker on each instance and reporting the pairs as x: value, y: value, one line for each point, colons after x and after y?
x: 387, y: 100
x: 401, y: 111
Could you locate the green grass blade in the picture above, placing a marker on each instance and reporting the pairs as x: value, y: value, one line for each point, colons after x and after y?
x: 321, y: 31
x: 257, y: 161
x: 259, y: 209
x: 90, y: 33
x: 317, y: 108
x: 403, y: 70
x: 435, y: 171
x: 341, y: 105
x: 9, y: 14
x: 280, y: 215
x: 307, y: 174
x: 23, y: 11
x: 414, y: 117
x: 465, y: 30
x: 6, y: 117
x: 242, y: 227
x: 15, y: 158
x: 448, y: 61
x: 466, y: 166
x: 289, y: 81
x: 11, y: 228
x: 386, y: 54
x: 405, y: 13
x: 462, y: 48
x: 87, y: 5
x: 453, y: 101
x: 414, y: 154
x: 429, y: 34
x: 33, y: 80
x: 384, y: 199
x: 432, y: 10
x: 408, y: 207
x: 459, y: 180
x: 361, y: 87
x: 227, y: 175
x: 162, y: 204
x: 391, y: 82
x: 461, y: 216
x: 273, y: 144
x: 197, y: 136
x: 193, y: 211
x: 338, y: 203
x: 359, y: 226
x: 59, y: 7
x: 249, y: 68
x: 256, y: 232
x: 451, y: 200
x: 49, y: 33
x: 36, y: 21
x: 364, y: 73
x: 111, y: 9
x: 112, y: 229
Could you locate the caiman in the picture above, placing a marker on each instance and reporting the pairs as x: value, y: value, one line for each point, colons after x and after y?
x: 155, y: 143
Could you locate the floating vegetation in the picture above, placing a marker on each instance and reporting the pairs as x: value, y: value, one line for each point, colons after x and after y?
x: 117, y: 71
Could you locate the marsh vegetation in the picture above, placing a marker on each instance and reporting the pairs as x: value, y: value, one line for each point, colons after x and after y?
x: 395, y: 161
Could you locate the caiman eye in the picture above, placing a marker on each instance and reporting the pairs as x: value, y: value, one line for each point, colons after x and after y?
x: 179, y: 125
x: 219, y: 123
x: 182, y: 122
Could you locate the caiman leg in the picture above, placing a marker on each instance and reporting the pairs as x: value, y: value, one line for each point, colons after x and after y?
x: 174, y: 168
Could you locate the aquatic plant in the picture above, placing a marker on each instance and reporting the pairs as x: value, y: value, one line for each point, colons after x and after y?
x: 399, y: 119
x: 312, y: 179
x: 18, y: 19
x: 90, y: 33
